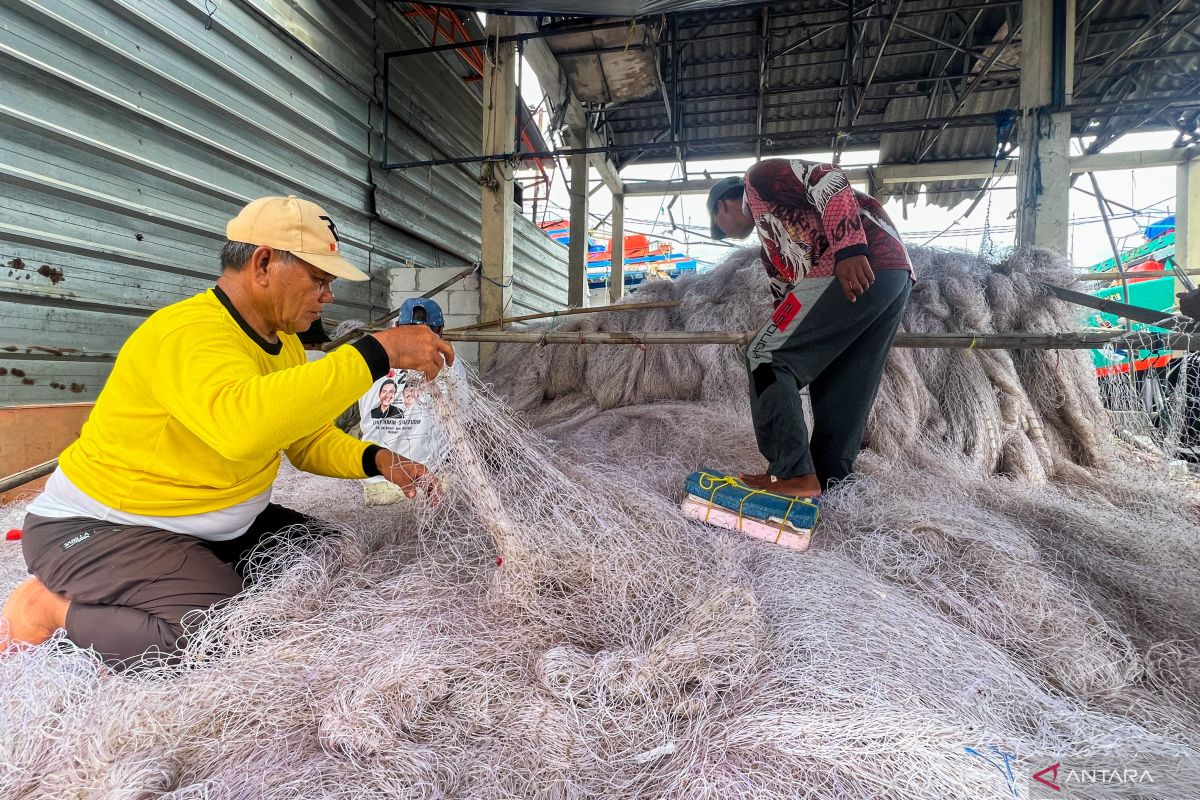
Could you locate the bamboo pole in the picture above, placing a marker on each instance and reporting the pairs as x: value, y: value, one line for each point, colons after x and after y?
x: 567, y: 312
x: 1069, y: 340
x: 26, y: 475
x: 1072, y: 340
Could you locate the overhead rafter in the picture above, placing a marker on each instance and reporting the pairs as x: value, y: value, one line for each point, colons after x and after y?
x: 937, y: 171
x: 944, y: 43
x: 759, y: 78
x: 975, y: 82
x: 883, y: 42
x: 1130, y: 43
x: 764, y: 53
x: 846, y: 79
x: 554, y: 83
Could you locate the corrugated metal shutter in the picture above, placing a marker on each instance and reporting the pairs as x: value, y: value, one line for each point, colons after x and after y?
x: 442, y: 204
x: 130, y: 133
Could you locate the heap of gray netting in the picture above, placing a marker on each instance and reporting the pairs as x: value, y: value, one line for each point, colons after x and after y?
x: 1003, y: 588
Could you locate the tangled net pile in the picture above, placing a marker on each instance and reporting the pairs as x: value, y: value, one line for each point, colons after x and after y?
x: 1002, y: 575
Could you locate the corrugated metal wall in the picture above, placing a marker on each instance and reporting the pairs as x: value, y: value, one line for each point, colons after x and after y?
x: 442, y: 203
x: 130, y: 133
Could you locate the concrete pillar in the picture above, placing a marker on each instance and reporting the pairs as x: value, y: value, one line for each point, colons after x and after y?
x: 1044, y: 169
x: 616, y: 281
x: 577, y: 290
x: 499, y: 133
x: 1187, y: 215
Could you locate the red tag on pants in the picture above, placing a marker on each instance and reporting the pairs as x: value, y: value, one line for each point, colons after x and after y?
x: 786, y: 311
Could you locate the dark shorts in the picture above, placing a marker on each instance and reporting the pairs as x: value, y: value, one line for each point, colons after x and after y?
x: 130, y: 586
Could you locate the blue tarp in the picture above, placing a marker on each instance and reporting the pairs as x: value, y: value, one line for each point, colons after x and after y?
x: 1156, y: 229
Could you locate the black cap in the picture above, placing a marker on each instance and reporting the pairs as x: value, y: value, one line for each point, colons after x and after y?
x: 718, y: 191
x: 315, y: 334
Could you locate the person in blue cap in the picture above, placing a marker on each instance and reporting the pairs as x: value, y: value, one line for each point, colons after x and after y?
x: 841, y: 277
x: 411, y: 425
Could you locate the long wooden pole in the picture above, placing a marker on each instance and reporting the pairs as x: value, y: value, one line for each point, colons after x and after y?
x: 566, y: 312
x: 26, y: 475
x: 1073, y: 340
x: 1068, y: 340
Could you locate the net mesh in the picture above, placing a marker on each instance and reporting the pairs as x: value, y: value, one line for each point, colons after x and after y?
x: 1005, y: 576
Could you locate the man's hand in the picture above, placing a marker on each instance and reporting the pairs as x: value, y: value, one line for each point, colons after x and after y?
x: 1189, y: 303
x: 416, y: 347
x: 401, y: 471
x: 855, y: 275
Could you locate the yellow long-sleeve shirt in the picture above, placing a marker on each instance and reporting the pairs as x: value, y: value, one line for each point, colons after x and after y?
x: 199, y: 408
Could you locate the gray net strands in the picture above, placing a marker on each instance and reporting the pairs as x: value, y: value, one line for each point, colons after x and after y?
x: 1005, y: 573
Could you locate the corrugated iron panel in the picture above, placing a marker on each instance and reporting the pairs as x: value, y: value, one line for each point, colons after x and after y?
x: 130, y: 133
x: 807, y: 97
x: 442, y: 205
x: 539, y: 270
x: 1152, y: 83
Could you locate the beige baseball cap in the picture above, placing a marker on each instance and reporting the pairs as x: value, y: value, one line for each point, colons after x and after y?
x: 298, y: 226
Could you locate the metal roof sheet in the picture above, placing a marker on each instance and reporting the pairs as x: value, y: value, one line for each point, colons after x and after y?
x: 925, y: 80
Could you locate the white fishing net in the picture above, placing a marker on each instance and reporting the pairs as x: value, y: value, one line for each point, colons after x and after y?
x: 1005, y: 577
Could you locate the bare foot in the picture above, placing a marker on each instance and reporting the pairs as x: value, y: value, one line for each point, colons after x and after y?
x: 802, y: 486
x: 33, y: 613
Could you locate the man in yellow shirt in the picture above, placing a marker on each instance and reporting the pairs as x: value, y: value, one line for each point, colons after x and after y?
x: 154, y: 508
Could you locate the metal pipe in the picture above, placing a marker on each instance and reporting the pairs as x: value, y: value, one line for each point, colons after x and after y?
x: 1131, y: 42
x: 979, y: 76
x: 847, y: 77
x: 387, y: 91
x: 1112, y: 240
x: 792, y: 90
x: 966, y: 120
x: 516, y: 37
x: 763, y: 68
x: 1058, y: 55
x: 883, y: 42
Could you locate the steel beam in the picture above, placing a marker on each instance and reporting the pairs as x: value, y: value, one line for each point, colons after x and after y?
x: 883, y: 42
x: 764, y: 50
x: 964, y: 121
x: 796, y: 91
x: 971, y: 88
x: 542, y: 61
x: 938, y: 40
x: 524, y: 35
x: 938, y: 171
x: 1131, y: 42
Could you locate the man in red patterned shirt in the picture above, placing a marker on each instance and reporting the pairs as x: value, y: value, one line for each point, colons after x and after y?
x: 841, y: 277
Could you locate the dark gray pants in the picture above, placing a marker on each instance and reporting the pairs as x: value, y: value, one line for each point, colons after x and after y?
x: 131, y: 585
x: 836, y: 348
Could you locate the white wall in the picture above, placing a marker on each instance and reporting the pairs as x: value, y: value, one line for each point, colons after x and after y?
x: 460, y: 302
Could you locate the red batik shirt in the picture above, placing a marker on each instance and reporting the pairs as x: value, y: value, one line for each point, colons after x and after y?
x: 809, y: 218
